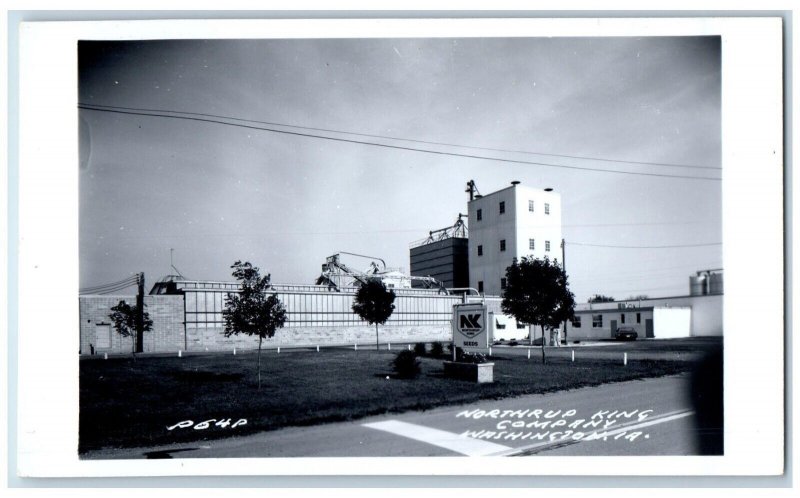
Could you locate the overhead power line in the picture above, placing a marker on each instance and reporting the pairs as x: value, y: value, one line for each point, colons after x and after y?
x: 110, y: 287
x: 645, y: 247
x: 388, y: 137
x: 367, y: 232
x: 389, y: 146
x: 105, y: 290
x: 125, y: 281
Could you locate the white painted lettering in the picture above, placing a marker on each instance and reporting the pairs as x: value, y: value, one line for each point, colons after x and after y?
x: 633, y: 435
x: 467, y: 413
x: 644, y: 414
x: 538, y: 425
x: 204, y: 425
x: 181, y: 425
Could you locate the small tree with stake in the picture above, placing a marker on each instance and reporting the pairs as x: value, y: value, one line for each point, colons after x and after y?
x: 123, y: 316
x: 374, y: 303
x: 537, y: 293
x: 251, y: 311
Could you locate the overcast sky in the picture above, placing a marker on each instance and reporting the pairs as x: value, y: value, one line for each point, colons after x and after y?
x: 217, y: 193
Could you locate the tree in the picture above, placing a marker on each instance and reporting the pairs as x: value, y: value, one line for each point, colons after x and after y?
x: 537, y: 293
x: 252, y: 310
x: 599, y: 298
x: 374, y: 303
x: 123, y: 316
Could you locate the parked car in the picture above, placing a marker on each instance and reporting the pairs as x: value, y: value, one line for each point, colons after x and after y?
x: 625, y: 334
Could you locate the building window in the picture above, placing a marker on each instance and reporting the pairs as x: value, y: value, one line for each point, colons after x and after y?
x: 546, y: 208
x: 622, y: 317
x: 480, y: 285
x: 546, y: 246
x: 531, y: 244
x: 480, y: 250
x: 503, y: 245
x: 530, y: 206
x: 638, y: 318
x: 521, y: 325
x: 499, y: 325
x: 502, y: 283
x: 597, y: 321
x: 191, y: 302
x: 502, y: 207
x: 480, y: 214
x: 576, y: 322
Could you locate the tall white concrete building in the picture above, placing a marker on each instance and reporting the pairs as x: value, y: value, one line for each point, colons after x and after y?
x: 511, y: 223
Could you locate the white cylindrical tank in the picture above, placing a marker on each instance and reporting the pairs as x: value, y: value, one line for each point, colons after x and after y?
x: 715, y: 283
x: 698, y: 285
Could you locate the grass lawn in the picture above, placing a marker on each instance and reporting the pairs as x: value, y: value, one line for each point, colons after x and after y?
x: 127, y: 404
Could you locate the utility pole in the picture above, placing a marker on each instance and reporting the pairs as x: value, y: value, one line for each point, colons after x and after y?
x: 564, y: 268
x: 140, y: 314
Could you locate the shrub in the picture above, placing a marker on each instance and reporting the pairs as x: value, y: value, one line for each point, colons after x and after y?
x: 406, y: 365
x: 512, y: 342
x: 437, y: 349
x: 420, y: 349
x: 467, y: 357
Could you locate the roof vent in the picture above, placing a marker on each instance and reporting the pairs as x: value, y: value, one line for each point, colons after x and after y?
x: 478, y: 196
x: 515, y: 182
x: 548, y: 189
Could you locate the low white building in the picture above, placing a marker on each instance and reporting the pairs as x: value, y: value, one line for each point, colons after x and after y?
x: 659, y: 322
x: 705, y: 316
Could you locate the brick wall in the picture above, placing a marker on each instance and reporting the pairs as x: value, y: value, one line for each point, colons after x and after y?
x: 165, y: 311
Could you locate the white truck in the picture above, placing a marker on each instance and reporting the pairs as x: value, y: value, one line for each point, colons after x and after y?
x: 475, y: 328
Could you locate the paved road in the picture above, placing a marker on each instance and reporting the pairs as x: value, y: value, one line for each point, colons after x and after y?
x: 644, y: 417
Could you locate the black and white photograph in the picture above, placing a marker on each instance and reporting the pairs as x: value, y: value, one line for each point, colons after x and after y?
x: 429, y: 246
x: 400, y: 247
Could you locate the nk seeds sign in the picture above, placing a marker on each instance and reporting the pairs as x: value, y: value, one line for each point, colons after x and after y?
x: 470, y: 327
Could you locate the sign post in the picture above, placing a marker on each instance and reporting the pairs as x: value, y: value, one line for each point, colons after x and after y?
x: 470, y: 330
